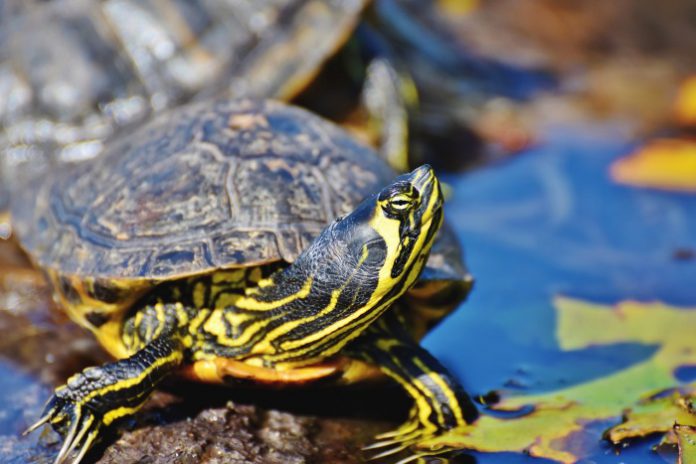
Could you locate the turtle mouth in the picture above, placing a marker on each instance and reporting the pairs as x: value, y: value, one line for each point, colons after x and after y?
x: 432, y: 222
x: 427, y: 215
x: 424, y: 180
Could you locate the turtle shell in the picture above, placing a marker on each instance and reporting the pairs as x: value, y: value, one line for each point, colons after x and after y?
x: 100, y: 68
x: 207, y: 186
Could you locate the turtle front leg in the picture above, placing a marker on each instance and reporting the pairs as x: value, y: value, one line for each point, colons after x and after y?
x: 440, y: 403
x: 98, y: 396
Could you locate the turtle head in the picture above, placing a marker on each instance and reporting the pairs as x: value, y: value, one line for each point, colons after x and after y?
x: 384, y: 243
x: 412, y: 201
x: 407, y: 214
x: 353, y: 271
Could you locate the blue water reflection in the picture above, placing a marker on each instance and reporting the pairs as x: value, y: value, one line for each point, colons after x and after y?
x: 551, y: 222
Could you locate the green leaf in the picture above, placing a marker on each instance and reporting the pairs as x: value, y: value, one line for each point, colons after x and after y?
x: 551, y: 428
x: 686, y: 436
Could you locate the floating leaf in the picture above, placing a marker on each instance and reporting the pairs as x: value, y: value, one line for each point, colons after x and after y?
x: 663, y: 163
x: 557, y: 418
x: 458, y: 7
x: 686, y: 436
x: 653, y: 416
x: 685, y: 104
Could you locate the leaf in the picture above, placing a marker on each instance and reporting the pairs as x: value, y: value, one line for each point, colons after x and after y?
x: 685, y: 104
x: 557, y: 418
x: 458, y: 7
x: 663, y: 163
x: 653, y: 416
x: 686, y: 436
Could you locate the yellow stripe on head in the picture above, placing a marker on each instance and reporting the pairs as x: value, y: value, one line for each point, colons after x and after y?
x: 407, y: 216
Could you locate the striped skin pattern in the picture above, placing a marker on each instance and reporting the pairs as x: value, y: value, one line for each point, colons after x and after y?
x: 298, y: 315
x: 353, y: 272
x: 440, y: 403
x: 98, y: 396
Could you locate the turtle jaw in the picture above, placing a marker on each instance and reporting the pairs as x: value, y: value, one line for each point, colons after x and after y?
x: 415, y: 200
x: 408, y: 213
x: 431, y: 200
x: 419, y: 222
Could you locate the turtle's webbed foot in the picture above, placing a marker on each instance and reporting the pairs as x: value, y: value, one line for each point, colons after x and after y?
x: 397, y: 441
x: 98, y: 396
x: 404, y: 443
x: 78, y: 424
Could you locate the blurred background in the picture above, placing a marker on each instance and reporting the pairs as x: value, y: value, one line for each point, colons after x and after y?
x: 563, y: 129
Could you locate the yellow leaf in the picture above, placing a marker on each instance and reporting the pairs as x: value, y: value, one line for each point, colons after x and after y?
x: 458, y: 7
x: 686, y: 436
x: 663, y: 163
x: 554, y: 417
x: 685, y: 104
x: 653, y: 416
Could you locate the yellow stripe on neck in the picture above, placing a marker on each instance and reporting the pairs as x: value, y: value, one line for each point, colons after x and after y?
x: 250, y: 303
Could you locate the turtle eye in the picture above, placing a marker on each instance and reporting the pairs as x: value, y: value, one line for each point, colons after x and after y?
x: 400, y: 200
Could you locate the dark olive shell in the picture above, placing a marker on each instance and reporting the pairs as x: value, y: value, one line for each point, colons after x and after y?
x: 207, y: 186
x: 98, y: 68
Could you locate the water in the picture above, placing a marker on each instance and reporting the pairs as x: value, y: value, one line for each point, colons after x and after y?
x: 551, y: 222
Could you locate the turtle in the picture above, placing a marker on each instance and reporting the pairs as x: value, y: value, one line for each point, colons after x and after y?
x: 246, y: 240
x: 98, y: 68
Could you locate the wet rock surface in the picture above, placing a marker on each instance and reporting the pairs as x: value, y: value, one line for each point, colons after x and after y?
x: 234, y: 434
x: 182, y: 423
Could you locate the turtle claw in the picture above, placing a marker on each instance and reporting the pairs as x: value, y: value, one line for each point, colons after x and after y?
x: 409, y: 427
x: 81, y: 425
x: 379, y: 444
x: 415, y: 457
x: 404, y: 440
x: 80, y: 438
x: 420, y: 457
x: 84, y: 438
x: 408, y: 438
x: 389, y: 452
x: 397, y: 441
x: 36, y: 425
